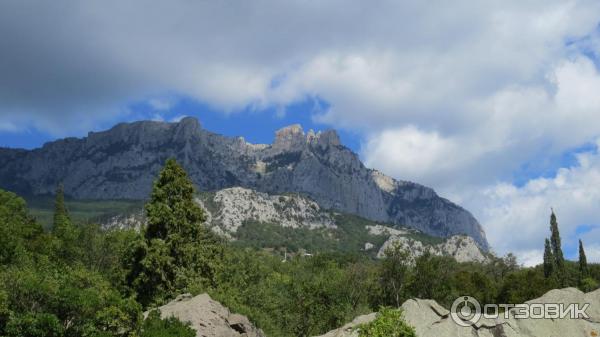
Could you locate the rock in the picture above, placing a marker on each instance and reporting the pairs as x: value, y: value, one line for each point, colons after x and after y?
x: 349, y: 330
x: 121, y: 163
x: 208, y: 317
x: 385, y: 230
x: 237, y: 205
x: 460, y: 247
x: 432, y: 320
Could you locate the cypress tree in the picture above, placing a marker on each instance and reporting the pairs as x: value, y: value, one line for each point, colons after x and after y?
x: 583, y: 267
x: 557, y: 249
x: 63, y: 228
x: 177, y: 249
x: 61, y: 221
x: 548, y: 259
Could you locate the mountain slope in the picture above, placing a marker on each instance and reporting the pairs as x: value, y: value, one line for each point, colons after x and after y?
x: 123, y: 161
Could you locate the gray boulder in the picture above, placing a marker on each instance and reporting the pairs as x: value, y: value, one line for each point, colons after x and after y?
x: 208, y: 317
x: 432, y: 320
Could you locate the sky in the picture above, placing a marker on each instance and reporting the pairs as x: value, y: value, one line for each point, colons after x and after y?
x: 495, y: 104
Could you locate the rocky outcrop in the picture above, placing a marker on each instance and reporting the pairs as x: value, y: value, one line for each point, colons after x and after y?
x: 208, y: 317
x: 460, y: 247
x: 432, y: 320
x: 237, y: 205
x: 122, y: 163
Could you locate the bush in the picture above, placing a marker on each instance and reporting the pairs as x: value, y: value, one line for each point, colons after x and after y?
x: 588, y: 284
x: 389, y: 323
x: 154, y: 326
x: 34, y: 325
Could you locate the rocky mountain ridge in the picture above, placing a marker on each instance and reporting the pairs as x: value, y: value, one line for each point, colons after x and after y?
x: 229, y: 209
x: 122, y: 163
x: 462, y: 248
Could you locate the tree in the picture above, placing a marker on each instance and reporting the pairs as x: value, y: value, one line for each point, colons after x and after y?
x: 18, y: 230
x: 177, y: 252
x: 583, y: 267
x: 394, y: 276
x: 548, y: 259
x: 557, y: 249
x: 63, y: 229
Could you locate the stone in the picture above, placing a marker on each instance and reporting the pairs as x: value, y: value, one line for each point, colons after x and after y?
x: 432, y: 320
x: 208, y: 317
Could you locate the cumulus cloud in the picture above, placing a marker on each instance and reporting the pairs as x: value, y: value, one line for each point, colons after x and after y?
x: 517, y: 217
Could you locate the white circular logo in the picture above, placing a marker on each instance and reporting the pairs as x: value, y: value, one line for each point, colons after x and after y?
x: 465, y: 311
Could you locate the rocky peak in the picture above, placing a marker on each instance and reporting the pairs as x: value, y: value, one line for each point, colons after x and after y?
x: 327, y: 138
x: 289, y: 138
x: 187, y: 127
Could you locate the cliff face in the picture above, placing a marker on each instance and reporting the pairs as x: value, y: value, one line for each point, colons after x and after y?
x: 121, y: 163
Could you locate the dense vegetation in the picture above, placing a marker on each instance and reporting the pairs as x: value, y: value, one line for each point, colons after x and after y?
x: 75, y: 279
x: 349, y: 237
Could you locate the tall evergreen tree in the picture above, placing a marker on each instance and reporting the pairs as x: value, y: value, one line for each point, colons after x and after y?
x: 178, y: 250
x: 63, y: 228
x: 62, y: 221
x: 548, y: 259
x: 583, y: 267
x: 557, y: 249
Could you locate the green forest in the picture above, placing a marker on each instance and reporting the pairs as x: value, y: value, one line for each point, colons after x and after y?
x: 76, y: 279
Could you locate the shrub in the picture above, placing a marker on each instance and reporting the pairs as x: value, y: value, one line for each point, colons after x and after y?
x: 389, y: 323
x: 154, y: 326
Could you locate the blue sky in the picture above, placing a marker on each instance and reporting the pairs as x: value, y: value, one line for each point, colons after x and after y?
x: 494, y: 104
x: 256, y: 126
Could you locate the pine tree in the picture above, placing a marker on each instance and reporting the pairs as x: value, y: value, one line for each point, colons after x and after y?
x: 583, y: 267
x: 557, y: 249
x: 178, y: 249
x: 548, y: 259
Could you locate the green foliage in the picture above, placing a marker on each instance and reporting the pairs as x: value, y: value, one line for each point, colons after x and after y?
x: 583, y: 266
x: 549, y: 260
x: 34, y: 325
x: 81, y: 211
x: 81, y: 300
x: 588, y: 284
x: 18, y: 231
x: 388, y: 323
x: 559, y: 265
x: 154, y: 326
x: 64, y: 230
x: 432, y: 277
x: 394, y: 277
x: 177, y: 252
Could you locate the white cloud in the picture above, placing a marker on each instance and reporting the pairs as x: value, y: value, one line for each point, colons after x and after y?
x: 592, y: 252
x: 517, y: 218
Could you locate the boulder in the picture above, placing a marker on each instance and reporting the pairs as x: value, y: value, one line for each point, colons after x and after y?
x: 208, y: 317
x: 432, y: 320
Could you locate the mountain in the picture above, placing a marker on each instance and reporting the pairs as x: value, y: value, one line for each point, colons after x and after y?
x: 121, y: 163
x: 294, y: 224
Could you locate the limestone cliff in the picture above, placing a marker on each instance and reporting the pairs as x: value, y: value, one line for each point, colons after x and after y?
x: 121, y: 163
